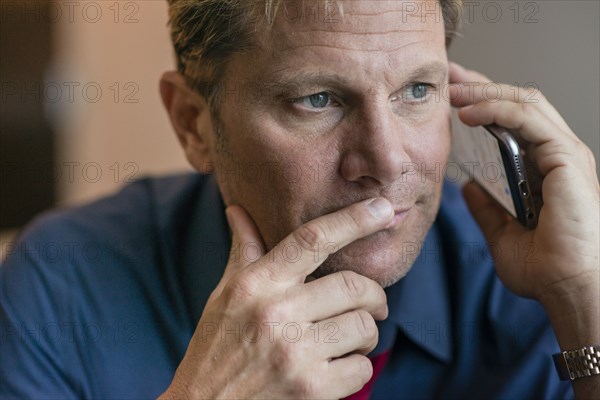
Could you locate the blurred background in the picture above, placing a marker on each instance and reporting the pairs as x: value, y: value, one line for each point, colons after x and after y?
x: 81, y: 115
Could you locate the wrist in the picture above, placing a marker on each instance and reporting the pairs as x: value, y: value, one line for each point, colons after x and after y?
x: 186, y: 385
x: 573, y: 308
x: 178, y: 390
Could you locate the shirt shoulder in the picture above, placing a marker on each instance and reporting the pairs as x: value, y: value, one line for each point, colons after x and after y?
x: 97, y: 277
x: 133, y: 216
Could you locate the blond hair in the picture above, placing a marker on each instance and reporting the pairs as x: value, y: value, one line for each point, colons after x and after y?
x: 206, y: 32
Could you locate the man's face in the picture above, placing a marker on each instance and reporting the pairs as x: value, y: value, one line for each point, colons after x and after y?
x: 375, y: 125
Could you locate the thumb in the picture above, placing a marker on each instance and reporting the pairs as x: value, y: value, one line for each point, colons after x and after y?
x: 247, y: 245
x: 490, y: 216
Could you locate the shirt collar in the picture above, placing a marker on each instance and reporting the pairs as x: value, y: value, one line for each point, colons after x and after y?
x: 419, y: 304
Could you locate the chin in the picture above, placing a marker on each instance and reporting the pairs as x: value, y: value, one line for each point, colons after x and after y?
x: 385, y: 266
x: 385, y: 256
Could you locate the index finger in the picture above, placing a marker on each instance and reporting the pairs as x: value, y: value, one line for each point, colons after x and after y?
x: 459, y: 74
x: 314, y: 241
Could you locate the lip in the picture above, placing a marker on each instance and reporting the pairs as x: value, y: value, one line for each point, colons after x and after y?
x: 400, y: 215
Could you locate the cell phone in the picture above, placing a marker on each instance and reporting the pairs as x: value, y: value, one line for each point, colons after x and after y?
x: 492, y: 157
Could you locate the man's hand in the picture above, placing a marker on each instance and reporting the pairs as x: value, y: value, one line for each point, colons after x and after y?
x: 267, y: 333
x: 558, y: 262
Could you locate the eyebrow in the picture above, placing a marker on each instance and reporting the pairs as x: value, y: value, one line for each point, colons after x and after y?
x: 430, y: 70
x: 283, y: 81
x: 280, y: 79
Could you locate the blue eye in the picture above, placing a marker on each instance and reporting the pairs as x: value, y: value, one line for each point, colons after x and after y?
x: 317, y: 100
x: 418, y: 90
x: 415, y: 94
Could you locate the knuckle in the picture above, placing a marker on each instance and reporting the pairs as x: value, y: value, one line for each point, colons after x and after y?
x: 309, y: 235
x: 588, y: 155
x: 272, y: 312
x: 527, y: 109
x: 284, y: 356
x: 591, y: 159
x: 382, y: 299
x: 524, y: 94
x: 365, y: 325
x: 352, y: 217
x: 577, y: 148
x: 531, y: 91
x: 364, y: 369
x: 239, y: 287
x: 536, y: 94
x: 486, y: 105
x: 352, y: 284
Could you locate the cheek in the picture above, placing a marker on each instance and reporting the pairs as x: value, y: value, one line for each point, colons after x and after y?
x: 273, y: 177
x: 431, y: 146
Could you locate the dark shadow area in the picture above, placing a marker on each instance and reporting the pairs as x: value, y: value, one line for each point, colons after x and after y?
x: 26, y: 139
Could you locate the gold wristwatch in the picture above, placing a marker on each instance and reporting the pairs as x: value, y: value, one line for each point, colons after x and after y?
x: 578, y: 363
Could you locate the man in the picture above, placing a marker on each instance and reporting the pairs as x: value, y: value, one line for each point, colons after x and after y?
x: 322, y: 134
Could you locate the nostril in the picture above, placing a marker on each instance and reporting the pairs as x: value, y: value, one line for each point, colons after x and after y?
x: 381, y: 163
x: 409, y: 168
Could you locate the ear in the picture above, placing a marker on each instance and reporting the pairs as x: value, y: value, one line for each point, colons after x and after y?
x: 190, y: 117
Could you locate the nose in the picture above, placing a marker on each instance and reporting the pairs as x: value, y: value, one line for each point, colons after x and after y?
x: 376, y: 152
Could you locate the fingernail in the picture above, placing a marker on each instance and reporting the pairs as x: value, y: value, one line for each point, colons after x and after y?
x: 380, y: 208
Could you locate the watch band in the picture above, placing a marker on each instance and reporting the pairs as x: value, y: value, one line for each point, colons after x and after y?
x: 578, y: 363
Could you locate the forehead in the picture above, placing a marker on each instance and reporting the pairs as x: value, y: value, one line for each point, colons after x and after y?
x: 359, y: 33
x: 372, y: 20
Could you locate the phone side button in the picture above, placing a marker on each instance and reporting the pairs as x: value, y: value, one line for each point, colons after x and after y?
x: 523, y: 189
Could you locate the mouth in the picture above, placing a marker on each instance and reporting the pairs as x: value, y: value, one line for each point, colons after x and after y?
x: 381, y: 241
x: 400, y: 215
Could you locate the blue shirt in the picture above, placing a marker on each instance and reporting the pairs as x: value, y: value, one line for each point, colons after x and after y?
x: 101, y: 301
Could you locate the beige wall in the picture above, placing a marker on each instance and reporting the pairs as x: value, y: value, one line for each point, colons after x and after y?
x: 124, y: 133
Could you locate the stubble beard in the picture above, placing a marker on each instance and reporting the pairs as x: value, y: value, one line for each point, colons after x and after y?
x: 398, y: 265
